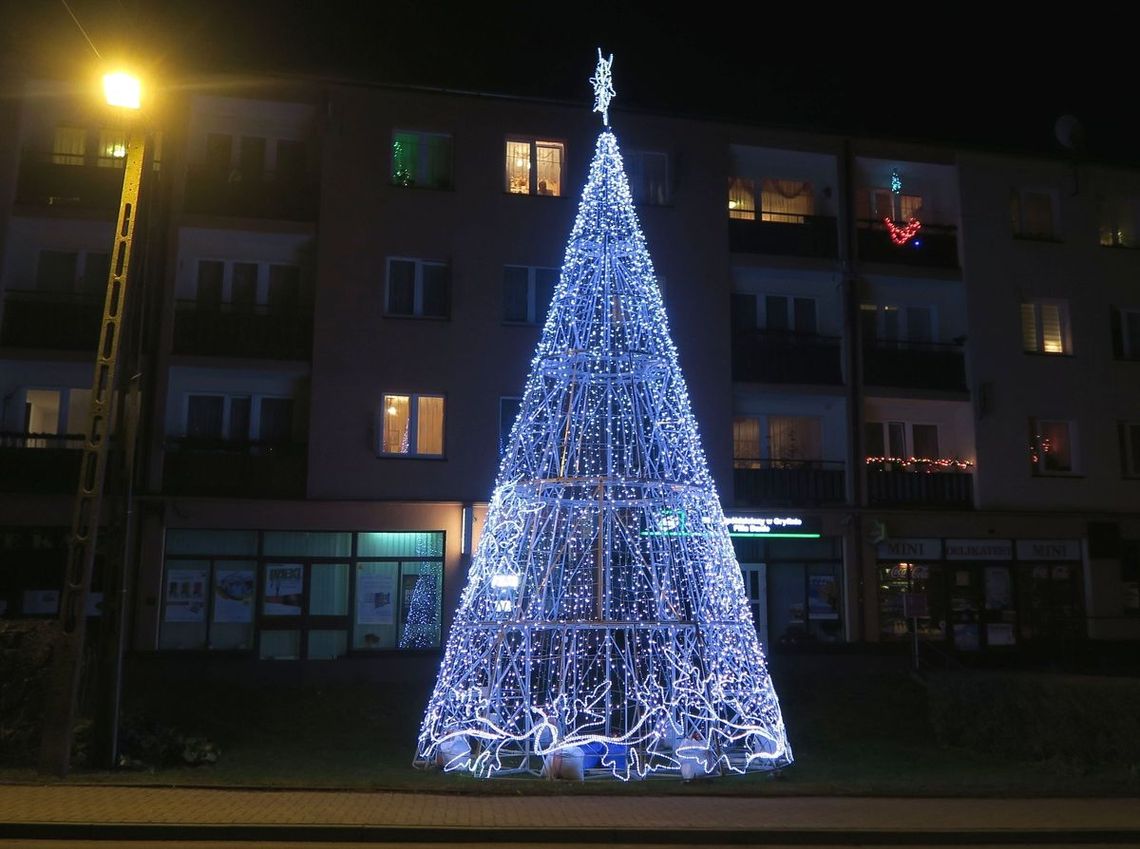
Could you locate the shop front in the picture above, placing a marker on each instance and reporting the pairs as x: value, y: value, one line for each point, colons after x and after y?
x: 973, y: 595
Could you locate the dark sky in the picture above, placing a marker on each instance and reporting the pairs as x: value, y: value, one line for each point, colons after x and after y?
x: 942, y: 73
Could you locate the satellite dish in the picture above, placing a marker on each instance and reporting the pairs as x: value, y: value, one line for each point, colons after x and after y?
x: 1070, y: 133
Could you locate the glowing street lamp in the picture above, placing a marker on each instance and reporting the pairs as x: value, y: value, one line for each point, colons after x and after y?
x: 123, y: 91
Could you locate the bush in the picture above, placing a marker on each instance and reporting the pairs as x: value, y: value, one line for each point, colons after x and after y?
x: 1071, y: 722
x: 25, y: 657
x: 149, y: 743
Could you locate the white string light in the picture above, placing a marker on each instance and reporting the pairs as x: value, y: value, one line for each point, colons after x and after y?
x: 603, y: 83
x: 604, y: 617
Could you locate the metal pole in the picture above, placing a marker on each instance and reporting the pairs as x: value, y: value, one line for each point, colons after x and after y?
x: 61, y: 705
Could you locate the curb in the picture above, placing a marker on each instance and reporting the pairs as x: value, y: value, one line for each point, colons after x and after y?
x: 123, y: 832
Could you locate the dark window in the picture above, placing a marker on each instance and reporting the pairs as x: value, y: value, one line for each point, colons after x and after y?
x: 239, y: 419
x: 925, y: 440
x: 776, y: 312
x: 805, y: 315
x: 56, y: 271
x: 96, y: 270
x: 276, y: 420
x: 284, y: 288
x: 435, y: 290
x: 743, y: 309
x: 401, y: 287
x: 545, y: 279
x: 218, y: 147
x: 251, y: 158
x: 204, y: 416
x: 873, y: 436
x: 290, y: 161
x: 515, y: 289
x: 243, y: 294
x: 210, y: 274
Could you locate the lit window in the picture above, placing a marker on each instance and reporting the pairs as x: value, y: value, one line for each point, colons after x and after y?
x: 1118, y: 223
x: 648, y: 175
x: 418, y: 288
x: 1129, y: 449
x: 534, y: 167
x: 1031, y: 214
x: 412, y: 425
x: 786, y: 201
x: 112, y: 148
x: 741, y: 199
x: 421, y: 159
x: 1051, y: 446
x: 1045, y: 327
x: 527, y: 292
x: 69, y: 146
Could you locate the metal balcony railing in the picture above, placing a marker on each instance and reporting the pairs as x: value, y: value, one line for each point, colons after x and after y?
x: 798, y: 235
x: 250, y: 469
x: 265, y: 195
x: 935, y: 245
x: 39, y: 462
x: 919, y: 485
x: 764, y: 356
x: 787, y: 482
x: 914, y: 365
x: 254, y: 333
x: 65, y: 321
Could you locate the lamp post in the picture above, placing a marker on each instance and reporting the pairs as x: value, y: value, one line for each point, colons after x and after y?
x: 123, y: 91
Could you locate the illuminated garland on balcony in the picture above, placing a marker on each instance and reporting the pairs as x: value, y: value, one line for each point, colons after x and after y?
x: 604, y: 628
x: 931, y: 463
x: 900, y: 233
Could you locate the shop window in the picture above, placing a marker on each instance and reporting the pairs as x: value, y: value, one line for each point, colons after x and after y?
x: 534, y: 167
x: 912, y: 598
x: 1050, y: 600
x: 421, y: 159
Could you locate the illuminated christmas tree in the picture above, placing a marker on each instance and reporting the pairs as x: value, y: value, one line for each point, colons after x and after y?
x: 604, y: 628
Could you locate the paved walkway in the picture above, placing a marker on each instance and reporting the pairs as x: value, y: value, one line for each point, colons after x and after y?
x: 24, y: 806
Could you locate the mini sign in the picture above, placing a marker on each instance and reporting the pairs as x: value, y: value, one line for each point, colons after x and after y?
x: 1048, y: 549
x: 774, y: 526
x: 910, y: 549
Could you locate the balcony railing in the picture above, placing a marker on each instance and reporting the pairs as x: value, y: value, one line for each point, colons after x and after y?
x: 227, y: 332
x: 213, y: 192
x: 935, y: 245
x: 51, y: 180
x: 914, y: 365
x: 764, y: 356
x: 919, y: 487
x: 39, y: 462
x: 223, y: 468
x: 810, y: 235
x: 788, y: 482
x: 65, y: 321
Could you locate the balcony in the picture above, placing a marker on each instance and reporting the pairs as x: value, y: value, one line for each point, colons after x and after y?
x: 762, y: 356
x: 220, y: 468
x: 50, y: 180
x: 211, y: 192
x: 787, y: 482
x: 814, y: 237
x: 272, y: 335
x: 935, y: 246
x: 889, y: 484
x: 915, y: 365
x: 64, y: 321
x: 39, y: 463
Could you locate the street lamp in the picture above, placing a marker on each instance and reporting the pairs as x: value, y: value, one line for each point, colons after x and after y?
x: 123, y: 91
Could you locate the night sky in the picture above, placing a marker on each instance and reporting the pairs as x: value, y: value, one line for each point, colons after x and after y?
x: 935, y: 73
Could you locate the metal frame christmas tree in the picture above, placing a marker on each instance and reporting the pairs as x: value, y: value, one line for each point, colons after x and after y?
x: 604, y: 628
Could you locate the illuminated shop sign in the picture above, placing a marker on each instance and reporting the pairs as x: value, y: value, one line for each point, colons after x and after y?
x: 784, y: 527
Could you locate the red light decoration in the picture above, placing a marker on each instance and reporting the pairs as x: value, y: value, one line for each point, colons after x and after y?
x: 927, y: 464
x: 903, y: 233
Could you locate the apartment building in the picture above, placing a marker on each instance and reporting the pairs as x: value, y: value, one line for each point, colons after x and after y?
x: 914, y: 367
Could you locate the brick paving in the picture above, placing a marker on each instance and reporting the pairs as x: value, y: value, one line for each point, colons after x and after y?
x: 169, y: 806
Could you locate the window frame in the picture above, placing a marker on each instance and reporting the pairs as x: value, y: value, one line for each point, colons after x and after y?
x: 417, y: 289
x: 533, y: 318
x: 413, y: 452
x: 1039, y: 327
x: 1017, y: 214
x: 261, y: 282
x: 667, y: 181
x: 789, y: 312
x: 908, y: 437
x: 419, y: 180
x: 532, y: 177
x: 255, y: 399
x: 765, y: 460
x: 903, y: 339
x: 1038, y: 467
x: 1125, y: 349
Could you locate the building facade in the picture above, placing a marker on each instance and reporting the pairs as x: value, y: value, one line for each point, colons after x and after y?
x: 915, y: 368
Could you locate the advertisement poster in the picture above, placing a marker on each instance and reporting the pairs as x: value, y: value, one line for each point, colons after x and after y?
x: 374, y: 602
x: 233, y: 595
x: 284, y: 583
x: 186, y: 595
x: 823, y: 597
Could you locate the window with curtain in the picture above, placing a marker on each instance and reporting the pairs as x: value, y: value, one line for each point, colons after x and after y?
x: 741, y: 199
x: 1031, y: 213
x: 69, y: 146
x: 794, y: 441
x: 112, y: 148
x: 746, y: 443
x: 1044, y: 327
x: 534, y: 167
x: 1051, y: 446
x: 421, y: 159
x: 787, y: 201
x: 412, y: 425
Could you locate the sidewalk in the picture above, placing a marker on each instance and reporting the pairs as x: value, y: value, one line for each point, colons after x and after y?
x: 75, y: 812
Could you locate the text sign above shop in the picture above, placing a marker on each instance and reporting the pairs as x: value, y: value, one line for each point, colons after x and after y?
x: 796, y: 527
x: 910, y: 549
x: 1048, y: 549
x: 979, y: 549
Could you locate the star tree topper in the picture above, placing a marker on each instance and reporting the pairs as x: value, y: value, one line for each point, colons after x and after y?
x: 603, y: 83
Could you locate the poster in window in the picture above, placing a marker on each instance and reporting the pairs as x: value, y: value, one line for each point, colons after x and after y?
x: 284, y: 584
x: 185, y: 595
x: 999, y: 588
x: 823, y: 597
x: 233, y: 595
x: 374, y: 602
